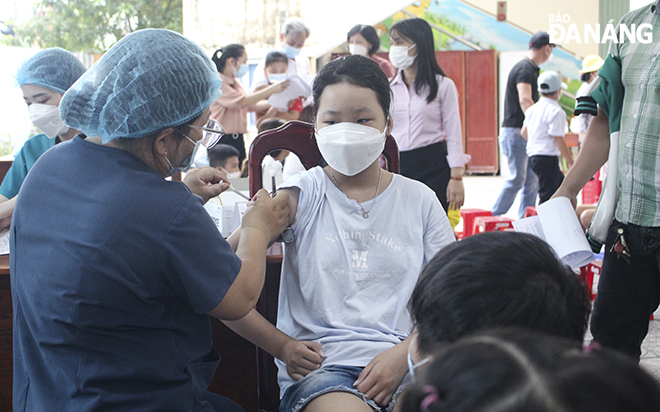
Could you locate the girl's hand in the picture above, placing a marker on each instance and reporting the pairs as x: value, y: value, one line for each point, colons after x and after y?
x: 302, y: 357
x: 381, y: 378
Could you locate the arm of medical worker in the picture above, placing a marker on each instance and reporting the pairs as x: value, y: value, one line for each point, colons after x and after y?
x: 300, y: 357
x: 262, y: 223
x: 206, y: 182
x: 6, y: 212
x: 592, y: 155
x: 380, y: 379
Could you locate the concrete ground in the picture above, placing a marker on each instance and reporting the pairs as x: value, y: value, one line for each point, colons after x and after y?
x: 482, y: 191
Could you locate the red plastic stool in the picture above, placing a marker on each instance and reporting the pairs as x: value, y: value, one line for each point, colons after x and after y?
x: 587, y: 274
x: 468, y: 216
x: 530, y: 211
x: 491, y: 223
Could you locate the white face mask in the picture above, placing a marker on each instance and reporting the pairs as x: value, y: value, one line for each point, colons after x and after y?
x: 357, y: 49
x: 349, y: 148
x: 234, y: 175
x: 276, y: 77
x: 399, y: 57
x: 552, y: 55
x: 47, y: 118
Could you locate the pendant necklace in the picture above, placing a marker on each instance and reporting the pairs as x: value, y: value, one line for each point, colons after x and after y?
x: 365, y: 213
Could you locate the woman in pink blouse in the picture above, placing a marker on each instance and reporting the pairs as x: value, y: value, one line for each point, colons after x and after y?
x: 364, y: 40
x: 427, y: 123
x: 232, y: 107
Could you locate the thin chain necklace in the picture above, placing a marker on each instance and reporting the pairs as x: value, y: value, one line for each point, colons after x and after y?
x: 365, y: 213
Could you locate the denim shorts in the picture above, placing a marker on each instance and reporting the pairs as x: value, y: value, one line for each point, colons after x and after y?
x: 331, y: 378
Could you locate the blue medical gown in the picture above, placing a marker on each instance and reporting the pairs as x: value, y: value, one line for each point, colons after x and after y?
x: 33, y: 148
x: 112, y: 271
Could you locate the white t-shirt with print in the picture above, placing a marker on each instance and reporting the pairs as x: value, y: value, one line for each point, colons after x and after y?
x: 346, y: 280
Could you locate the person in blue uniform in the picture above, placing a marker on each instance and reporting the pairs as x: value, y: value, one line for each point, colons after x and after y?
x: 43, y: 78
x: 116, y: 269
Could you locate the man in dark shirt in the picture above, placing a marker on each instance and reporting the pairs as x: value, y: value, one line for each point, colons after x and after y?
x: 521, y: 93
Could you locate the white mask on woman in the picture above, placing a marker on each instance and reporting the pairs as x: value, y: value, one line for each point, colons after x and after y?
x: 357, y: 49
x: 399, y: 57
x: 47, y: 118
x: 349, y: 148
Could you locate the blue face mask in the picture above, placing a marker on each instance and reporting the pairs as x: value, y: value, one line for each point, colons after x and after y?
x: 242, y: 71
x: 291, y: 52
x: 187, y: 162
x: 277, y: 77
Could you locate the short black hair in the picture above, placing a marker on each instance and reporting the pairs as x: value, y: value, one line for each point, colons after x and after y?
x: 219, y: 154
x: 275, y: 56
x: 357, y: 70
x: 497, y: 279
x: 515, y: 370
x: 369, y: 34
x: 223, y: 53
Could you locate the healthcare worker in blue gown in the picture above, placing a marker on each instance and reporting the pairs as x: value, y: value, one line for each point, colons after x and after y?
x: 115, y: 269
x: 43, y: 79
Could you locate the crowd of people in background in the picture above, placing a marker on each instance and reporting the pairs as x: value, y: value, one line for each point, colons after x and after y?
x: 380, y: 308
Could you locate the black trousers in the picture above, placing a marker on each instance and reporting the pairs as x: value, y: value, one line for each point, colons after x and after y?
x: 546, y: 168
x: 428, y: 165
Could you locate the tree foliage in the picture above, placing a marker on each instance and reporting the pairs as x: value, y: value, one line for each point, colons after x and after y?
x: 95, y: 25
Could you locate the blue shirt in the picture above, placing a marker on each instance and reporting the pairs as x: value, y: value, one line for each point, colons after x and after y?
x: 112, y: 271
x: 33, y: 148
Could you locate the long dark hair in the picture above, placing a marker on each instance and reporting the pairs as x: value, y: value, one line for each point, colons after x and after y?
x: 419, y: 32
x: 223, y: 53
x: 359, y: 71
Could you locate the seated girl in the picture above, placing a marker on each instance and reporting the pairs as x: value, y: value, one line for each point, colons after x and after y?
x: 359, y: 237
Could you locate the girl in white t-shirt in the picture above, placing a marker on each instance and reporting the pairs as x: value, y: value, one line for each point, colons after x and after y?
x: 359, y: 238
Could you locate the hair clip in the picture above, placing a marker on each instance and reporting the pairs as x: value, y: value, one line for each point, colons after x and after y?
x: 431, y: 396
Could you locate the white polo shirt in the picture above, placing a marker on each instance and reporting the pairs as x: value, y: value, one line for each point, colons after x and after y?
x: 544, y: 120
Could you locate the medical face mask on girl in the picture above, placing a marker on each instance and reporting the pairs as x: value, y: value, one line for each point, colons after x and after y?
x: 276, y: 77
x: 399, y: 57
x: 357, y: 49
x: 47, y: 118
x: 234, y: 175
x: 242, y: 71
x: 349, y: 148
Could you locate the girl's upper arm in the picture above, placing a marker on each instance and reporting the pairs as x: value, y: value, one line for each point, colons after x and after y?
x: 294, y: 195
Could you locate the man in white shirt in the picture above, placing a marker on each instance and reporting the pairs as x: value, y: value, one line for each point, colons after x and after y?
x: 544, y: 128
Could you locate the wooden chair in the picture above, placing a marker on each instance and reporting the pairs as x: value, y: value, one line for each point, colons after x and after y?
x: 296, y: 137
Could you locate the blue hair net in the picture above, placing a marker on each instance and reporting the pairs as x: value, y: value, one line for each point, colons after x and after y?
x: 55, y: 69
x: 151, y: 79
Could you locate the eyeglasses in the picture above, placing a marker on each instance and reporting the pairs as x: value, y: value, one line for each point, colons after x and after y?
x: 213, y: 131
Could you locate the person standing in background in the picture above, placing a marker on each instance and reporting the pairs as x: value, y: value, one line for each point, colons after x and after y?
x: 521, y: 93
x: 364, y: 40
x: 589, y: 72
x: 232, y: 106
x: 44, y: 78
x: 427, y: 123
x: 293, y: 35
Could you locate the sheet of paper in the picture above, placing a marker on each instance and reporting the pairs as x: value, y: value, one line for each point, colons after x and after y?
x: 564, y: 233
x: 531, y: 225
x: 4, y: 242
x: 297, y: 87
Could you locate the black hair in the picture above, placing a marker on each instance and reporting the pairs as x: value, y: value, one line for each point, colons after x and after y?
x: 223, y: 53
x: 357, y: 70
x: 517, y: 371
x: 585, y: 77
x: 219, y: 154
x: 497, y: 279
x: 275, y: 57
x: 419, y: 32
x: 369, y: 34
x: 269, y: 124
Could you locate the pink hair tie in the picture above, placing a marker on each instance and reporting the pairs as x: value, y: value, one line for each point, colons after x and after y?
x: 591, y: 347
x: 431, y: 395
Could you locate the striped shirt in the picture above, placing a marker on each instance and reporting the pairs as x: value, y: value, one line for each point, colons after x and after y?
x: 639, y: 144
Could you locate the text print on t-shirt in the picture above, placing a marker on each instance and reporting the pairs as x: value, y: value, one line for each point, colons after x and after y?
x: 359, y: 259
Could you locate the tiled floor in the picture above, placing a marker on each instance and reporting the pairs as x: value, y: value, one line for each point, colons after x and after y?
x: 482, y: 191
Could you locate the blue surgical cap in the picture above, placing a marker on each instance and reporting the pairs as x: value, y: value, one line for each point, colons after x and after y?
x: 151, y: 79
x: 55, y: 69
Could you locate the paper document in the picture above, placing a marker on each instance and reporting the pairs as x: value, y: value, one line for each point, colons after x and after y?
x: 557, y: 224
x: 226, y: 212
x: 4, y: 242
x: 297, y: 88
